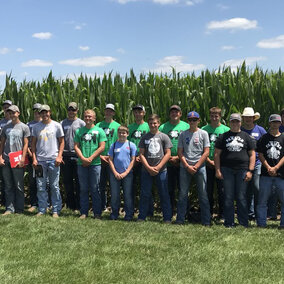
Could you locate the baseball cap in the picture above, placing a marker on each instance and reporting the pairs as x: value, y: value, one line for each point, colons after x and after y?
x: 7, y: 102
x: 13, y: 108
x: 193, y: 114
x: 275, y: 117
x: 175, y: 107
x: 235, y: 116
x: 139, y: 107
x: 44, y: 107
x: 110, y: 106
x: 73, y: 105
x: 36, y: 106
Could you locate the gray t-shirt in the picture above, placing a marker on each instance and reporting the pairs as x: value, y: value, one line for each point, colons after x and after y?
x: 14, y: 135
x: 193, y: 144
x: 155, y: 146
x: 47, y: 144
x: 69, y: 128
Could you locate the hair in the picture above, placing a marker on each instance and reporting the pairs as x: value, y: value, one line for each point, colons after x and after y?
x: 154, y: 117
x: 90, y: 111
x: 215, y: 110
x: 282, y: 111
x: 123, y: 128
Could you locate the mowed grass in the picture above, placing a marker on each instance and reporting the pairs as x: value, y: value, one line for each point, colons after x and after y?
x: 69, y: 250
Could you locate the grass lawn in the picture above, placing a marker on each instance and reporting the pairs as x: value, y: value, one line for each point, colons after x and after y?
x: 69, y: 250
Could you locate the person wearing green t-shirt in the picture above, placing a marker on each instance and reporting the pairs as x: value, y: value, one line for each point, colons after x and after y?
x: 136, y: 131
x: 110, y: 128
x: 173, y: 128
x: 89, y: 144
x: 214, y: 129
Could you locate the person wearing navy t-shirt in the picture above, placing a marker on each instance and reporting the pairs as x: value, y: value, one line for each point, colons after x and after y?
x: 271, y: 154
x: 256, y: 132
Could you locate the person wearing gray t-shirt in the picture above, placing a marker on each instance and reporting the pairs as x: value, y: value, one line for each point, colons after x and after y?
x: 47, y: 149
x: 193, y: 150
x: 13, y: 151
x: 155, y: 151
x: 69, y: 166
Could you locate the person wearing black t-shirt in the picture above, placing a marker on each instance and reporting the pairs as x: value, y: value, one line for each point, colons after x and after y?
x: 234, y: 163
x: 271, y: 149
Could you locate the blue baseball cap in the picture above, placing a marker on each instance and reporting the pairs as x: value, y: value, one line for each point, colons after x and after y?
x: 193, y: 114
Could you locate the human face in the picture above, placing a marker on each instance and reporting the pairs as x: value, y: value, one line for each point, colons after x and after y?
x: 214, y: 117
x: 274, y: 125
x: 175, y: 115
x: 235, y: 125
x: 5, y: 107
x: 37, y: 116
x: 89, y: 118
x: 109, y: 113
x: 193, y: 122
x: 45, y: 116
x: 72, y: 113
x: 122, y: 135
x: 248, y: 121
x: 14, y: 116
x: 154, y: 125
x: 138, y: 114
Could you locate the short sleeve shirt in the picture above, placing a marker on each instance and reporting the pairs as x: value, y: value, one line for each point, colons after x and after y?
x: 272, y: 149
x: 122, y: 154
x: 14, y: 135
x: 136, y: 131
x: 155, y: 146
x: 235, y: 147
x: 47, y: 145
x: 193, y: 144
x: 89, y: 140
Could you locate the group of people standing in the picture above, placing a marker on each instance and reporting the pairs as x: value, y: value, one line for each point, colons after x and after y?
x: 244, y: 161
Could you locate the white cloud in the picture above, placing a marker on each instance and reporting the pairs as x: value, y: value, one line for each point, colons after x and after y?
x: 19, y: 49
x: 120, y: 50
x: 193, y: 2
x: 125, y: 1
x: 167, y: 63
x: 4, y: 50
x: 37, y: 63
x: 234, y: 63
x: 2, y: 73
x: 46, y: 35
x: 276, y: 42
x: 165, y: 2
x: 79, y: 26
x: 228, y: 47
x: 84, y: 48
x: 233, y: 24
x: 93, y: 61
x: 222, y: 7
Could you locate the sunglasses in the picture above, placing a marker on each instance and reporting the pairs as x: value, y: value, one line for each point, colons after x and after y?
x: 193, y: 119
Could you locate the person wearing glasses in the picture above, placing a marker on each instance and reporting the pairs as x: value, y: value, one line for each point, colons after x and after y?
x: 234, y: 164
x: 69, y: 165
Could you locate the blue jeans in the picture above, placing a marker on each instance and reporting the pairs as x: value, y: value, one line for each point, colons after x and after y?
x: 127, y: 195
x: 252, y: 191
x: 173, y: 183
x: 185, y: 180
x: 89, y: 179
x: 265, y: 191
x: 14, y: 188
x: 104, y: 177
x: 235, y: 186
x: 146, y: 192
x: 50, y: 173
x: 32, y: 185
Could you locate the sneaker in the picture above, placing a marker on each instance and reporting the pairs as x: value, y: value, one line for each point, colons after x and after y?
x: 83, y: 216
x: 55, y: 215
x: 32, y: 209
x: 7, y: 212
x: 39, y: 214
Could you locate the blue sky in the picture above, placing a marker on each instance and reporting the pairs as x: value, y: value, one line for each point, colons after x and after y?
x: 97, y: 36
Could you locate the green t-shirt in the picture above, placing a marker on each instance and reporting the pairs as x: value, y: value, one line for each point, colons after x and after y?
x: 136, y: 131
x: 89, y: 140
x: 173, y: 131
x: 213, y: 134
x: 110, y: 130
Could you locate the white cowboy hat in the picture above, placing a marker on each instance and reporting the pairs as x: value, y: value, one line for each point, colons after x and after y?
x: 248, y: 111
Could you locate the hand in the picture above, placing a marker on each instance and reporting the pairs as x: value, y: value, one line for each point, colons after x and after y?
x: 219, y: 175
x: 137, y: 159
x: 58, y: 161
x: 191, y: 169
x: 210, y: 164
x: 272, y: 171
x: 86, y: 162
x: 248, y: 176
x: 153, y: 171
x: 174, y: 160
x: 35, y: 163
x: 2, y: 162
x: 118, y: 176
x: 21, y: 164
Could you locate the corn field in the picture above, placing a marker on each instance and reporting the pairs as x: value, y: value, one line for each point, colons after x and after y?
x: 232, y: 91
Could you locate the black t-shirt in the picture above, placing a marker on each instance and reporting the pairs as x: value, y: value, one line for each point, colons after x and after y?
x: 235, y: 147
x: 272, y: 149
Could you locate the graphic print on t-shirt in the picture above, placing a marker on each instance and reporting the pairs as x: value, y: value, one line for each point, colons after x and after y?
x: 154, y: 147
x: 109, y: 132
x: 138, y: 134
x: 212, y: 137
x: 90, y: 136
x: 174, y: 134
x: 234, y: 144
x: 273, y: 149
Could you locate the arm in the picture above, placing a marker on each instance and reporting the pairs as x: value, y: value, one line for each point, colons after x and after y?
x: 112, y: 167
x: 217, y: 163
x: 188, y: 167
x: 272, y: 171
x: 130, y: 166
x: 34, y: 140
x: 164, y: 160
x: 3, y: 140
x: 251, y: 165
x: 58, y: 159
x: 144, y: 162
x: 25, y: 149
